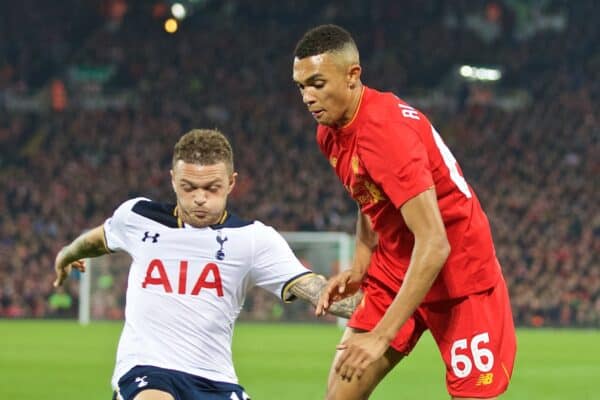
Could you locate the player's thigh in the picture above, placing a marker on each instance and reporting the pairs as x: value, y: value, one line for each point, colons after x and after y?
x: 153, y: 394
x: 358, y: 389
x: 476, y: 338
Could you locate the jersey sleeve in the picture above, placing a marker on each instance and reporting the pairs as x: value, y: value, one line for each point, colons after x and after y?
x: 275, y: 266
x: 396, y: 159
x: 116, y: 227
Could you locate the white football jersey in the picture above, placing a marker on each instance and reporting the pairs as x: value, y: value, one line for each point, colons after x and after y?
x: 186, y: 286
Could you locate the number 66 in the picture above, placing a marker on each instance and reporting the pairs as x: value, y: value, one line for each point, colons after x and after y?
x: 461, y: 363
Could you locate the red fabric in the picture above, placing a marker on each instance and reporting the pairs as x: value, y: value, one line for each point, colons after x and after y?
x: 486, y: 316
x: 376, y: 300
x: 387, y: 155
x: 455, y: 323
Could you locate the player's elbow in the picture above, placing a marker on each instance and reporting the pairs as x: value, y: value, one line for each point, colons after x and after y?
x: 437, y: 250
x: 440, y: 250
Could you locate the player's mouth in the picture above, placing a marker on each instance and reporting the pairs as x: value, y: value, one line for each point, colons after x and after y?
x: 200, y: 213
x: 317, y: 114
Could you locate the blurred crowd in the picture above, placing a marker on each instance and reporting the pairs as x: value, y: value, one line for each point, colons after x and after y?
x: 64, y: 169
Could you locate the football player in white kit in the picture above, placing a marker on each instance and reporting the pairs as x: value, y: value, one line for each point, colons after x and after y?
x: 193, y: 263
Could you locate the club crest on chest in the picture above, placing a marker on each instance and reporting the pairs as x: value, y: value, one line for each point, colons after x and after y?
x: 221, y: 240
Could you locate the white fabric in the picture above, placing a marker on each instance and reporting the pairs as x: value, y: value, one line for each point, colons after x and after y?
x: 178, y: 329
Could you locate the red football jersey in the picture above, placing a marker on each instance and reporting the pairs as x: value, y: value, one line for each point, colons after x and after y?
x: 388, y: 154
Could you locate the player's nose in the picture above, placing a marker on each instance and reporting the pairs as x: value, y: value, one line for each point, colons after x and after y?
x: 308, y: 98
x: 200, y: 197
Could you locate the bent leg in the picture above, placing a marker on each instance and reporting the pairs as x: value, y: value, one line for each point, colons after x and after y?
x: 476, y: 338
x: 360, y: 389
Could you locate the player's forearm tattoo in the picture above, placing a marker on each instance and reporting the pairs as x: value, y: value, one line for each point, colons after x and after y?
x: 345, y: 308
x: 310, y: 288
x: 82, y: 247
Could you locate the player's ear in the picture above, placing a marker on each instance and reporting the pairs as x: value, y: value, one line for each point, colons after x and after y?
x: 172, y: 180
x: 353, y: 75
x: 232, y: 179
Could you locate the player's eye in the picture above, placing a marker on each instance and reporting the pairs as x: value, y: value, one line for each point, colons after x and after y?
x: 319, y: 84
x: 187, y: 188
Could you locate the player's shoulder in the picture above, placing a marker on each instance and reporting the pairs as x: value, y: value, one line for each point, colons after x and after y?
x: 142, y: 207
x: 387, y: 113
x: 263, y: 232
x: 257, y: 227
x: 376, y: 102
x: 233, y: 221
x: 259, y: 236
x: 387, y: 106
x: 130, y: 203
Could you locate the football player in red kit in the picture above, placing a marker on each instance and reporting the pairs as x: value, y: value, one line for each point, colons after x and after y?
x: 424, y: 252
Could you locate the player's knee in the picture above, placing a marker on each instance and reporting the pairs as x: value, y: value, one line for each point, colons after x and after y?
x: 331, y: 393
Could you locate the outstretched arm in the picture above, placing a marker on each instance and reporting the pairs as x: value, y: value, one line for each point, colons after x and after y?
x: 347, y: 283
x: 88, y: 244
x: 309, y: 288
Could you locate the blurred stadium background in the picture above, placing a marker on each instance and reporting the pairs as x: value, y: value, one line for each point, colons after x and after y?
x: 93, y: 95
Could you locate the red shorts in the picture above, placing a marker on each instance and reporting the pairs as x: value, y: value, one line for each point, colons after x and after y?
x: 475, y: 335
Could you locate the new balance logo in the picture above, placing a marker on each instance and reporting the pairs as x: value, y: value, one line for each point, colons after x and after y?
x: 153, y: 237
x: 485, y: 379
x: 141, y: 381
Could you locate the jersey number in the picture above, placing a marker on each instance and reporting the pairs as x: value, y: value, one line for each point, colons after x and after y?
x: 482, y: 357
x: 450, y: 162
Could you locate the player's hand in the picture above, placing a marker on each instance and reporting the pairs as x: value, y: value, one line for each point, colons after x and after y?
x: 340, y: 286
x: 359, y: 351
x: 63, y: 268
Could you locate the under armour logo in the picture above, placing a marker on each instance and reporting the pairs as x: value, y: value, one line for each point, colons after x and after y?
x: 141, y: 381
x: 153, y: 237
x: 220, y: 254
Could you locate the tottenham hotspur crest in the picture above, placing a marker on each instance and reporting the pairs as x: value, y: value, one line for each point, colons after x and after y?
x: 221, y: 240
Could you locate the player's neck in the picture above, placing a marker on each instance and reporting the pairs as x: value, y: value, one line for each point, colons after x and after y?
x: 354, y: 107
x: 184, y: 220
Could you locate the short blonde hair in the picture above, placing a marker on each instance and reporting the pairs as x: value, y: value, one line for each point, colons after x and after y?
x: 204, y: 147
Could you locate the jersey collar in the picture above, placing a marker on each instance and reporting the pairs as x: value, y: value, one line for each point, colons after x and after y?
x: 362, y: 94
x: 181, y: 224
